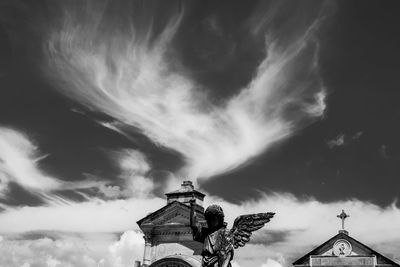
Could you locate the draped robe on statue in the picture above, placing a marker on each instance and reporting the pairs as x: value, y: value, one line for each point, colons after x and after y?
x: 216, y: 251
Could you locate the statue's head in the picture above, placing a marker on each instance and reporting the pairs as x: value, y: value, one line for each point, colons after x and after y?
x: 214, y: 216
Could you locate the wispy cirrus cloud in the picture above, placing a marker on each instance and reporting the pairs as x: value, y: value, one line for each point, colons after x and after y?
x: 19, y: 164
x: 128, y: 75
x: 19, y: 158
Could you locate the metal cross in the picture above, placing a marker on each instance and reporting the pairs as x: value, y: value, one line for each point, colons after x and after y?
x: 343, y: 217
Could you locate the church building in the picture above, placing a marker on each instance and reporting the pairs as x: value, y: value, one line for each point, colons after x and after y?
x: 344, y: 251
x: 167, y: 233
x: 169, y: 241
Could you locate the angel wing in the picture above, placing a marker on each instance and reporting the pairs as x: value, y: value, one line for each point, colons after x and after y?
x: 244, y: 225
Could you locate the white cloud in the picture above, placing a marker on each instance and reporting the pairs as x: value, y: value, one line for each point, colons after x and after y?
x: 73, y: 251
x: 173, y: 111
x: 129, y: 248
x: 303, y: 224
x: 19, y: 163
x: 132, y: 161
x: 128, y: 77
x: 44, y: 252
x: 52, y: 262
x: 343, y: 139
x: 337, y: 141
x: 124, y: 205
x: 308, y: 223
x: 134, y: 167
x: 95, y: 215
x: 271, y: 263
x: 309, y: 217
x: 19, y: 158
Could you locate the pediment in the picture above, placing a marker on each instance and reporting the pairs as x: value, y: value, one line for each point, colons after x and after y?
x: 173, y: 216
x: 173, y: 213
x: 330, y: 252
x: 357, y: 249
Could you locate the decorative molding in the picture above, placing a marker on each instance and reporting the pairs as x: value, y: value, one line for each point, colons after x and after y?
x: 173, y: 233
x: 168, y: 212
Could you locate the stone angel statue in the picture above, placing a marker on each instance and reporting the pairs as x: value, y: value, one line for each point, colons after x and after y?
x: 220, y: 242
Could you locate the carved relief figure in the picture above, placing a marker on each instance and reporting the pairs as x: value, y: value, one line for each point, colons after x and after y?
x: 341, y: 249
x: 218, y: 241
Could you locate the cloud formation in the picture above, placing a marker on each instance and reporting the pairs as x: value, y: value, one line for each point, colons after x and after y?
x: 95, y: 215
x: 19, y: 158
x: 19, y: 164
x: 305, y: 222
x: 128, y: 75
x: 92, y: 250
x: 343, y: 139
x: 134, y: 168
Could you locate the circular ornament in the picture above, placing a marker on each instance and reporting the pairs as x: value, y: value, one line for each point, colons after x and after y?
x: 342, y: 248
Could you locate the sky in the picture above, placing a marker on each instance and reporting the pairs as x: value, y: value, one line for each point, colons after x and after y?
x: 281, y: 106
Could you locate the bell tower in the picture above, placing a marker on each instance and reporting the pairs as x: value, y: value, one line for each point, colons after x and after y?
x: 185, y: 194
x: 167, y: 233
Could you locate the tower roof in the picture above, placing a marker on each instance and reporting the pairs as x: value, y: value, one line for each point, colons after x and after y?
x: 185, y: 194
x: 186, y: 188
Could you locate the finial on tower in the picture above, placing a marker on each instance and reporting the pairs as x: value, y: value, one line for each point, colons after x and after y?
x: 343, y: 217
x: 186, y: 194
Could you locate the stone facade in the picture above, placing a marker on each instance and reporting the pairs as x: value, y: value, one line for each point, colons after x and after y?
x: 343, y: 250
x: 168, y: 236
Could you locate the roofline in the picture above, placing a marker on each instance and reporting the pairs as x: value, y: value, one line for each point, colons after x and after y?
x: 316, y: 249
x: 374, y: 251
x: 356, y: 241
x: 162, y: 208
x: 188, y: 192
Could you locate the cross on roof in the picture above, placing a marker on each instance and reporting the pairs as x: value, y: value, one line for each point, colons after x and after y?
x: 343, y: 217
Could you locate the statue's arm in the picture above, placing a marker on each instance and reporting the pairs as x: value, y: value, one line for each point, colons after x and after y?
x: 197, y: 230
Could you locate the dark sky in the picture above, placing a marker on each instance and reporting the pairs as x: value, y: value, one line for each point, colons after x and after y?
x: 352, y: 152
x: 359, y: 65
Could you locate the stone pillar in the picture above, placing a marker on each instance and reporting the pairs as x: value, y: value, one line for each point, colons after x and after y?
x: 147, y: 249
